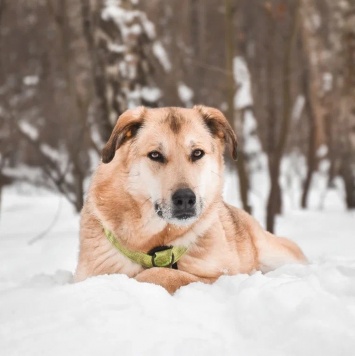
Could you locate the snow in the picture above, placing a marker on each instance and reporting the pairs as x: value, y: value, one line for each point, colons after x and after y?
x: 133, y: 98
x: 24, y: 172
x: 322, y: 151
x: 243, y: 100
x: 161, y: 55
x: 185, y: 93
x: 28, y: 129
x: 50, y: 152
x: 328, y: 82
x: 30, y: 80
x: 113, y: 47
x: 317, y: 21
x: 298, y: 108
x: 324, y: 166
x: 243, y: 97
x: 150, y: 94
x: 125, y: 20
x: 252, y: 144
x: 149, y: 27
x: 122, y: 18
x: 295, y: 310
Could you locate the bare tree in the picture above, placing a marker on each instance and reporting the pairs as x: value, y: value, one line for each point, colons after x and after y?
x: 231, y: 113
x: 125, y: 56
x: 346, y: 129
x: 273, y: 204
x: 61, y: 93
x: 5, y: 142
x: 314, y: 55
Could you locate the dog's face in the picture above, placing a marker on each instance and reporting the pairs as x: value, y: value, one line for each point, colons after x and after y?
x: 173, y: 158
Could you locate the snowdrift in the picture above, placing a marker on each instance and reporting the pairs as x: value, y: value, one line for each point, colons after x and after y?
x: 295, y: 310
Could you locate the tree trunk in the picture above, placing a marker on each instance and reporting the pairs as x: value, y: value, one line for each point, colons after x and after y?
x: 311, y: 159
x: 348, y: 175
x: 241, y: 164
x: 79, y: 192
x: 312, y: 139
x: 273, y: 204
x: 78, y: 105
x: 313, y: 50
x: 0, y: 199
x: 347, y: 170
x: 97, y: 57
x: 274, y: 200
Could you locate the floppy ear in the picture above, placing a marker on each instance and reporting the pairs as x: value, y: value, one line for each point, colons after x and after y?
x: 219, y: 127
x: 125, y: 129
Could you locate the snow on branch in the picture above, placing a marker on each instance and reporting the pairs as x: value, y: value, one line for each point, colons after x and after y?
x: 243, y: 98
x: 28, y: 130
x: 50, y: 152
x: 185, y: 93
x: 161, y: 55
x: 151, y: 94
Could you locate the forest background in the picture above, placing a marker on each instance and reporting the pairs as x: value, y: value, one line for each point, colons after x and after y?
x: 283, y: 72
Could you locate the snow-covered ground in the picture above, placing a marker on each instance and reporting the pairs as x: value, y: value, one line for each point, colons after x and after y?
x: 295, y: 310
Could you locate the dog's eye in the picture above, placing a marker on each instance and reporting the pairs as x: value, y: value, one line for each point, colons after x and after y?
x: 197, y: 154
x: 156, y: 156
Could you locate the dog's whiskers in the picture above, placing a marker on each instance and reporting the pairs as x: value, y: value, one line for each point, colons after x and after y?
x: 146, y: 201
x: 128, y: 173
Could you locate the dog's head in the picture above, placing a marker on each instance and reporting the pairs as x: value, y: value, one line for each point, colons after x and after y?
x: 171, y: 158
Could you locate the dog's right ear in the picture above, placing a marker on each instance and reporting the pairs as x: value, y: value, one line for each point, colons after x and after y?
x: 125, y: 129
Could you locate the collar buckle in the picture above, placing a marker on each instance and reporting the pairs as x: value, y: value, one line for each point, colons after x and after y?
x: 162, y: 256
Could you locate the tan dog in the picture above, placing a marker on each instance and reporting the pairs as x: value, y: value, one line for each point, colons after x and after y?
x: 160, y: 184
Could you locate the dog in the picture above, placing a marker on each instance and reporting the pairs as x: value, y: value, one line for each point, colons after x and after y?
x: 154, y: 210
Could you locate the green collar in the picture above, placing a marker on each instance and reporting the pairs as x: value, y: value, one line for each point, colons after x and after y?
x: 164, y: 258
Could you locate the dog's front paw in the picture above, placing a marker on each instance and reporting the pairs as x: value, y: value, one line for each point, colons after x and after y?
x: 170, y: 279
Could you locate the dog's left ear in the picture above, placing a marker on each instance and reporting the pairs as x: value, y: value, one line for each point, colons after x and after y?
x: 219, y: 127
x: 125, y: 129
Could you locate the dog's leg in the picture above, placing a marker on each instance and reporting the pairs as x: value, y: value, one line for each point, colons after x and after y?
x: 277, y: 251
x: 170, y: 279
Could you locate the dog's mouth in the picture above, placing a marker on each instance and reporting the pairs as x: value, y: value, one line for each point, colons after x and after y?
x: 168, y: 213
x: 185, y: 216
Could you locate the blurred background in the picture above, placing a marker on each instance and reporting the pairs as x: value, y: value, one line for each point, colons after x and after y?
x: 282, y: 71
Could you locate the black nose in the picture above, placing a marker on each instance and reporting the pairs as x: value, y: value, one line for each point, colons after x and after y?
x: 184, y: 201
